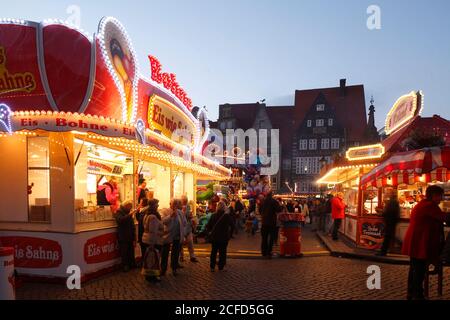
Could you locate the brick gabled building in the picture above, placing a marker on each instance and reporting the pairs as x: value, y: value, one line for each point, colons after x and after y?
x: 322, y: 122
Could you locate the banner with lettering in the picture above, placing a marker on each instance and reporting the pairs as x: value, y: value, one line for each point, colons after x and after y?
x: 101, y: 248
x: 30, y: 252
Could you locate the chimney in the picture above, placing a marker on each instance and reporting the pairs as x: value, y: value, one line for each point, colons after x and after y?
x: 342, y: 87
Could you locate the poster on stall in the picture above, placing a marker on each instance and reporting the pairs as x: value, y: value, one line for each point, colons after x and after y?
x: 371, y: 233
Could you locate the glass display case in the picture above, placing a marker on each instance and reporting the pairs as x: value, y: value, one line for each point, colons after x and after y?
x: 350, y: 190
x: 370, y: 201
x: 408, y: 197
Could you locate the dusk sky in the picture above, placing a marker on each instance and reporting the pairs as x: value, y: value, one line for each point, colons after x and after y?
x: 248, y: 50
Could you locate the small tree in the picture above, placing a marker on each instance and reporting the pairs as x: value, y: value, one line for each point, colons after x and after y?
x: 419, y: 139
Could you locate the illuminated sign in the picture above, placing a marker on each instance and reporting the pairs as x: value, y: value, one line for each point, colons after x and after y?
x: 403, y: 111
x: 375, y: 151
x: 168, y: 120
x: 169, y: 81
x: 120, y: 58
x: 14, y: 82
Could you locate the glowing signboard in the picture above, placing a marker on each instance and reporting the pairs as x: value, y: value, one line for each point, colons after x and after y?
x: 169, y: 81
x: 403, y: 111
x: 374, y: 151
x: 167, y: 119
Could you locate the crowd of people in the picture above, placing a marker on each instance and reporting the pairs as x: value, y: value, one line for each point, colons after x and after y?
x: 163, y: 233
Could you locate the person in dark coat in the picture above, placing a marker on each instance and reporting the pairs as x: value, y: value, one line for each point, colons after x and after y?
x: 391, y: 215
x: 269, y: 209
x: 424, y: 239
x: 290, y: 207
x: 141, y: 212
x: 141, y: 191
x: 219, y: 229
x: 126, y: 235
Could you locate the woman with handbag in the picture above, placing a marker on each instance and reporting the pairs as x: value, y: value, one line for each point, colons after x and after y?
x: 152, y: 237
x: 219, y: 230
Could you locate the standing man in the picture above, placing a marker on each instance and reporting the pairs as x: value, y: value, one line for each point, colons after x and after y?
x: 174, y: 227
x: 239, y: 207
x: 269, y: 210
x: 337, y: 213
x: 190, y: 227
x: 219, y: 228
x: 141, y: 191
x: 391, y: 215
x: 424, y: 239
x: 328, y: 220
x: 126, y: 234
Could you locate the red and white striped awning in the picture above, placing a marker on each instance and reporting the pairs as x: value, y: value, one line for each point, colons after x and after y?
x: 424, y: 165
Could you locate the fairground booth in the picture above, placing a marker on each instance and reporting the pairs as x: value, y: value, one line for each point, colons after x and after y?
x: 415, y: 154
x: 75, y: 112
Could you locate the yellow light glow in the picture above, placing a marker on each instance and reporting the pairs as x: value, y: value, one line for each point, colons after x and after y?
x: 373, y: 146
x: 327, y: 178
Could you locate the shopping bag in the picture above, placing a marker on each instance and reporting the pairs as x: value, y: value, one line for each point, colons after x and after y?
x: 151, y: 262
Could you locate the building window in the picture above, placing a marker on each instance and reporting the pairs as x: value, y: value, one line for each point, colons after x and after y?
x: 330, y: 122
x: 38, y: 179
x: 307, y: 165
x: 223, y: 125
x: 286, y: 164
x: 303, y: 144
x: 309, y: 123
x: 320, y: 107
x: 319, y: 123
x: 230, y: 124
x: 325, y: 144
x: 226, y: 113
x: 312, y: 144
x: 335, y: 143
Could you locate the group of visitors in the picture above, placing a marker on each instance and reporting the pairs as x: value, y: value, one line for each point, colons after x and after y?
x: 163, y: 233
x: 160, y: 234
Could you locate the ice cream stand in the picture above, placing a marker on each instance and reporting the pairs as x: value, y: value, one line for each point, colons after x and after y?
x: 75, y: 112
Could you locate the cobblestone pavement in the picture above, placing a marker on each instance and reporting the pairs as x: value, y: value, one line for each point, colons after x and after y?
x: 246, y: 279
x: 310, y: 277
x: 244, y: 244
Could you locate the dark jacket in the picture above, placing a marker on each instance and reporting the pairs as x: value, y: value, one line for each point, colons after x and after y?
x: 126, y: 231
x: 140, y: 219
x: 391, y: 213
x: 220, y: 225
x: 328, y: 206
x: 269, y: 210
x: 239, y: 206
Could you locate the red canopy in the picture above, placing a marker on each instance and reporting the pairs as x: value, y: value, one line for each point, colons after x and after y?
x: 425, y: 165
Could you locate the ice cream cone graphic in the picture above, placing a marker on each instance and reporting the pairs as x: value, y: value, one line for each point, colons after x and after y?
x: 119, y: 55
x: 5, y: 118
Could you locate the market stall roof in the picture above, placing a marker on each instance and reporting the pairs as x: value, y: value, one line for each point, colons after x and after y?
x: 434, y: 124
x: 423, y: 165
x: 339, y: 174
